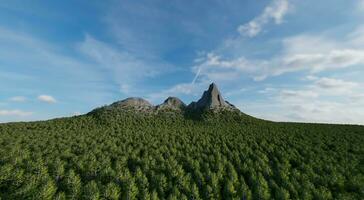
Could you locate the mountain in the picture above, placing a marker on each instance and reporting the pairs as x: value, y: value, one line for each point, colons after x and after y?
x: 172, y: 103
x: 207, y: 150
x: 132, y: 102
x: 211, y: 100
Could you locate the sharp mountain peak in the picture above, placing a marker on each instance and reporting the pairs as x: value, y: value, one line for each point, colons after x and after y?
x: 211, y: 98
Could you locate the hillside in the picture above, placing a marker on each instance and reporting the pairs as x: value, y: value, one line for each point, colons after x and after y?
x: 206, y: 150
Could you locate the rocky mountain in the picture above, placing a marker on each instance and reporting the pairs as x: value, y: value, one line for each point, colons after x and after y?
x: 132, y: 102
x: 211, y: 100
x: 172, y: 103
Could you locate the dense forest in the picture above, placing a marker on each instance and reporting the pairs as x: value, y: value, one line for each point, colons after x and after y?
x: 110, y: 154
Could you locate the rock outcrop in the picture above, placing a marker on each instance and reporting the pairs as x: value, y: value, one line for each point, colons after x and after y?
x: 133, y: 102
x: 211, y: 99
x: 172, y: 103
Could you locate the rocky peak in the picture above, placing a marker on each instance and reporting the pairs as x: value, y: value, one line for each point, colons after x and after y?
x: 211, y: 99
x: 173, y: 103
x: 133, y: 102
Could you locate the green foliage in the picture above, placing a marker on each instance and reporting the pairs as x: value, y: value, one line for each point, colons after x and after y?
x: 227, y: 155
x: 48, y: 190
x: 91, y: 191
x: 112, y: 191
x: 73, y: 184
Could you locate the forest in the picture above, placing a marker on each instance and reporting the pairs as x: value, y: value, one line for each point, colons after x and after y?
x: 110, y: 154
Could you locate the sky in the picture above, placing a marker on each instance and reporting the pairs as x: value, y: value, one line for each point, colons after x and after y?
x: 281, y: 60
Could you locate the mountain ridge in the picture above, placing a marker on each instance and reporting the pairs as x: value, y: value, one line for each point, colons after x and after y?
x: 211, y: 99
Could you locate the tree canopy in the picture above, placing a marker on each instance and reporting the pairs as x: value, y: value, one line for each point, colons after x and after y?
x: 225, y: 155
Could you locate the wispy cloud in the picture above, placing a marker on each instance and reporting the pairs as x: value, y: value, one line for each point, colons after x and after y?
x: 25, y: 58
x: 297, y: 54
x: 76, y: 113
x: 15, y: 113
x: 181, y: 89
x: 18, y: 99
x: 361, y: 4
x: 47, y: 99
x: 124, y: 68
x: 275, y: 12
x: 323, y: 99
x: 331, y: 83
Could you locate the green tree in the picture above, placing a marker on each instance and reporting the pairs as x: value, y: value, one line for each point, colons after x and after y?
x: 229, y: 190
x: 322, y: 193
x: 131, y: 191
x: 281, y: 193
x: 61, y: 196
x: 91, y: 191
x: 73, y: 184
x: 261, y: 188
x: 195, y: 195
x: 48, y: 190
x: 112, y: 191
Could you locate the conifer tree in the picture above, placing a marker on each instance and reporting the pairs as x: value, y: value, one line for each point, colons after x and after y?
x: 91, y: 191
x: 48, y: 190
x: 112, y: 191
x: 73, y: 185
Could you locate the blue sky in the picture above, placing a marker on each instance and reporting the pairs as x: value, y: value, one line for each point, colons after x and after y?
x: 283, y: 60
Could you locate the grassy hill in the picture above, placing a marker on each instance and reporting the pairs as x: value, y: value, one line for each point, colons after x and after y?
x: 111, y: 154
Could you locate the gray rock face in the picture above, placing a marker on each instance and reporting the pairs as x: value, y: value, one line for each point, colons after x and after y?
x: 133, y: 102
x: 211, y: 99
x: 172, y: 103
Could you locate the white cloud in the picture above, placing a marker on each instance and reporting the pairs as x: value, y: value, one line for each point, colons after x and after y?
x: 324, y: 99
x: 215, y: 68
x: 356, y: 37
x: 16, y: 113
x: 330, y: 83
x: 361, y: 5
x: 333, y: 87
x: 286, y: 94
x: 298, y: 53
x: 125, y: 88
x: 18, y: 99
x: 305, y: 52
x: 274, y: 11
x: 76, y: 113
x: 47, y: 99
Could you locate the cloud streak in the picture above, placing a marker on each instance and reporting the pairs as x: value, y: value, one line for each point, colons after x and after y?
x: 125, y: 69
x: 361, y: 5
x: 47, y: 99
x: 305, y: 52
x: 18, y: 99
x: 15, y: 113
x: 323, y: 100
x: 275, y: 12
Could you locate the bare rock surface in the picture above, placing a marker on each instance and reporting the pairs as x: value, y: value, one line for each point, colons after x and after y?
x: 211, y: 99
x: 133, y: 102
x: 172, y: 103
